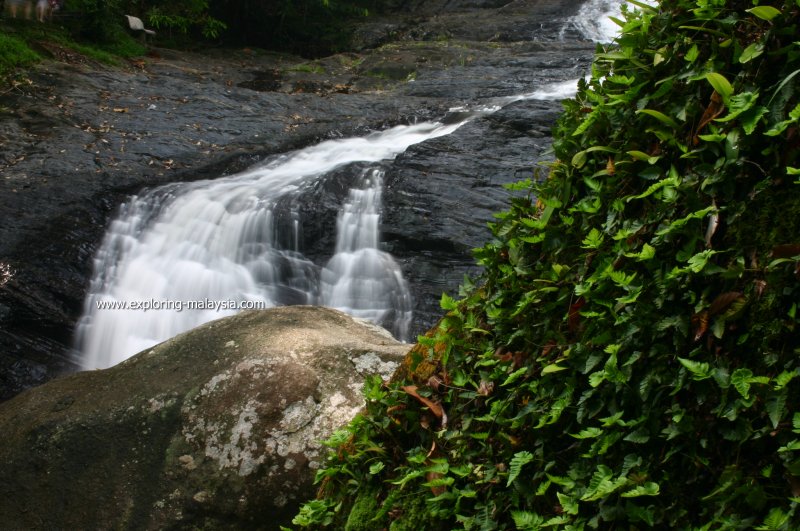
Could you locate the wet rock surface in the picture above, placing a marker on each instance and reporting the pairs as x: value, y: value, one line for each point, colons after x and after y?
x: 80, y: 138
x: 218, y: 428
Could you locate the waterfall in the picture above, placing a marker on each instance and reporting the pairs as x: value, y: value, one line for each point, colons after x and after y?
x: 187, y: 253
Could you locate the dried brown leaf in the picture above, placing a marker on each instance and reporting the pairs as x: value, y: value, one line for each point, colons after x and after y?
x: 722, y: 302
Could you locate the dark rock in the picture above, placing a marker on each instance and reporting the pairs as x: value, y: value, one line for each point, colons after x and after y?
x: 219, y: 428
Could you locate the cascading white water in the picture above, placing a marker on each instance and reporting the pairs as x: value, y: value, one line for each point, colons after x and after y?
x: 184, y: 254
x: 360, y: 279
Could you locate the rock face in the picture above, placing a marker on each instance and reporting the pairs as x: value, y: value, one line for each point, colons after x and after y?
x: 218, y: 428
x: 81, y: 138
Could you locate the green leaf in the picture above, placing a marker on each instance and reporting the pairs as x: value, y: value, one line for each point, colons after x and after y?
x: 783, y: 379
x: 672, y: 180
x: 588, y: 433
x: 640, y: 155
x: 648, y: 489
x: 751, y: 52
x: 514, y: 376
x: 776, y: 520
x: 692, y: 55
x: 593, y: 240
x: 376, y: 467
x: 447, y: 302
x: 764, y: 12
x: 738, y: 104
x: 751, y: 118
x: 519, y: 460
x: 741, y: 380
x: 648, y: 252
x: 659, y: 116
x: 553, y: 367
x: 568, y: 503
x: 699, y: 370
x: 775, y: 406
x: 721, y: 85
x: 527, y: 521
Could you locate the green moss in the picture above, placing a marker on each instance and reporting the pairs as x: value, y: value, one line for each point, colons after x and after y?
x: 313, y: 68
x: 15, y: 53
x: 365, y: 514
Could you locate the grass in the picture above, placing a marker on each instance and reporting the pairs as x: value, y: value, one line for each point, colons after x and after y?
x: 20, y: 40
x: 15, y: 53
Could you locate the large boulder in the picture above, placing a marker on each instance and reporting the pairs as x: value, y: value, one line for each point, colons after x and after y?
x: 218, y: 428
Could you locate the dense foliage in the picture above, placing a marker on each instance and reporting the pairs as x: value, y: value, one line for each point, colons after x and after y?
x: 630, y: 357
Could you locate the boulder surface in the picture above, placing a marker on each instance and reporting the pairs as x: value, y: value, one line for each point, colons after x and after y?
x: 218, y: 428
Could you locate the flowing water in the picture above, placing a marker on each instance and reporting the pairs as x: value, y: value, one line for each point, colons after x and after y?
x: 184, y: 254
x: 188, y: 253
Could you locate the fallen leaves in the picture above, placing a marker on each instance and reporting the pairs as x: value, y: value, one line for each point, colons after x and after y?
x: 435, y: 408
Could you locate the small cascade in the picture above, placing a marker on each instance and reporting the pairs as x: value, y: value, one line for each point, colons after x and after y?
x: 360, y: 279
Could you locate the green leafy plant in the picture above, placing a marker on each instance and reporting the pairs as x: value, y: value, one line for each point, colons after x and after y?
x: 629, y: 357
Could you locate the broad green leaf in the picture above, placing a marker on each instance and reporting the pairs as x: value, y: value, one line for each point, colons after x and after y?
x: 553, y: 367
x: 660, y: 116
x: 698, y: 262
x: 376, y: 467
x: 640, y: 155
x: 720, y: 84
x: 764, y: 12
x: 751, y: 52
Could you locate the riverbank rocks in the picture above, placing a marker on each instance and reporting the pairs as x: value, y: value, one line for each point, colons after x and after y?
x: 218, y: 428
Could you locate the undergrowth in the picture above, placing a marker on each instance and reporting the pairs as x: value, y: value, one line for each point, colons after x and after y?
x: 629, y: 358
x: 24, y: 43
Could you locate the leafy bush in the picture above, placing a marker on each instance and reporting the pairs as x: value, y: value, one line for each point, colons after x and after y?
x: 630, y: 357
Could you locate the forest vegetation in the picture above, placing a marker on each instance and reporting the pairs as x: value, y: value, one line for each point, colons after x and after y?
x: 629, y: 357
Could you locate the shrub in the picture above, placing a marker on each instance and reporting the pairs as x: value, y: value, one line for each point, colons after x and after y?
x: 629, y: 358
